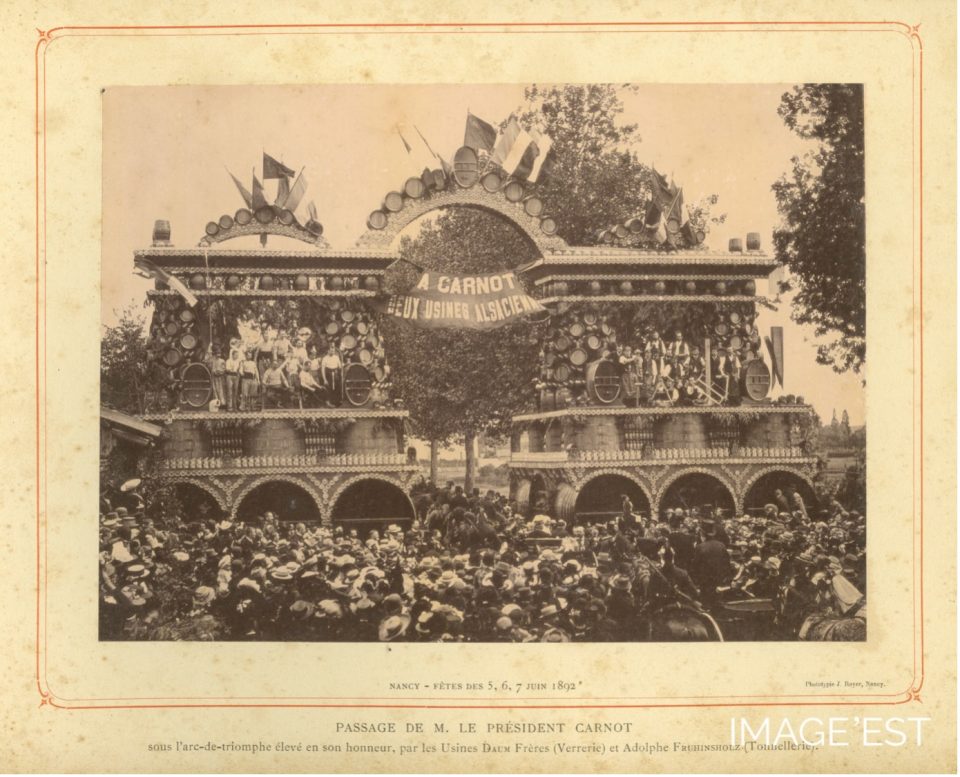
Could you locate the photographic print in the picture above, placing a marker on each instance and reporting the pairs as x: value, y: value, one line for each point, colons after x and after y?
x: 484, y: 363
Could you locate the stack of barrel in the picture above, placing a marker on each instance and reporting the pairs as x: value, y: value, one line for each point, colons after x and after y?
x: 356, y: 336
x: 576, y: 364
x: 174, y: 336
x: 736, y: 329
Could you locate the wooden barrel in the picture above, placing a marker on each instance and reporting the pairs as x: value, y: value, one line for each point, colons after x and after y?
x: 212, y: 228
x: 171, y: 328
x: 347, y: 316
x: 736, y: 246
x: 243, y: 217
x: 335, y: 283
x: 377, y: 220
x: 371, y: 283
x: 561, y: 288
x: 562, y: 343
x: 596, y: 288
x: 172, y: 357
x: 690, y: 287
x: 594, y: 342
x: 393, y: 202
x: 548, y: 225
x: 635, y: 225
x: 673, y: 226
x: 753, y: 241
x: 188, y: 342
x: 491, y: 182
x: 626, y: 287
x: 225, y: 221
x: 548, y: 399
x: 578, y: 357
x: 603, y: 382
x: 590, y: 319
x: 466, y: 168
x: 735, y: 318
x: 301, y: 283
x: 356, y: 384
x: 265, y: 215
x: 332, y: 328
x: 660, y: 287
x: 701, y: 236
x: 621, y: 231
x: 373, y: 340
x: 348, y: 343
x: 749, y: 288
x: 720, y: 288
x: 286, y: 218
x: 365, y: 356
x: 196, y: 388
x: 756, y: 380
x: 561, y: 372
x: 268, y: 282
x: 533, y: 206
x: 564, y: 398
x: 362, y: 328
x: 198, y: 281
x: 513, y: 191
x: 576, y: 329
x: 379, y: 373
x: 413, y: 188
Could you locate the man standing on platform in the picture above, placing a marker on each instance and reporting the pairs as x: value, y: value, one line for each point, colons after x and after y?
x: 331, y: 368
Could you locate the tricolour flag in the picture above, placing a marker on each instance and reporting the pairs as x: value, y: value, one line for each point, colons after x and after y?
x: 153, y: 271
x: 283, y: 191
x: 247, y: 197
x: 259, y: 201
x: 478, y: 134
x: 274, y: 169
x: 544, y: 143
x: 297, y: 191
x: 505, y: 142
x: 520, y: 158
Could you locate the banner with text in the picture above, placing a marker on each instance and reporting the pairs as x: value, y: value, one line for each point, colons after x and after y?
x: 470, y: 302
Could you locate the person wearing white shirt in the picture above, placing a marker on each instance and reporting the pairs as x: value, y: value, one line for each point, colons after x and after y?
x: 331, y: 369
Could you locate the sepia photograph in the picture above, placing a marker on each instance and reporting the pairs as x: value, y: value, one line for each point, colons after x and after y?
x: 513, y: 363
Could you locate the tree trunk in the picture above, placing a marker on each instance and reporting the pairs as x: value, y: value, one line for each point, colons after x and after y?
x: 434, y: 461
x: 471, y: 473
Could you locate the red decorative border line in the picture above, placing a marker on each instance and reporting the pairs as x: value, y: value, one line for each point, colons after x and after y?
x: 46, y: 37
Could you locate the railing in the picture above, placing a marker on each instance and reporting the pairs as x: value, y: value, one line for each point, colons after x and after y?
x: 301, y: 460
x: 657, y: 454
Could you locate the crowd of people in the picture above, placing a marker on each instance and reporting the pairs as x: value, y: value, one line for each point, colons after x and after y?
x: 471, y: 568
x: 279, y: 369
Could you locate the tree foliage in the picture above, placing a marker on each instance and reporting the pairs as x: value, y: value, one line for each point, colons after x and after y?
x: 123, y: 360
x: 457, y: 382
x: 822, y: 237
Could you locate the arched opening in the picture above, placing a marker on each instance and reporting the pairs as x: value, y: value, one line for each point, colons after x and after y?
x: 372, y: 504
x: 764, y: 491
x: 196, y: 504
x: 287, y: 501
x: 601, y: 499
x: 700, y: 490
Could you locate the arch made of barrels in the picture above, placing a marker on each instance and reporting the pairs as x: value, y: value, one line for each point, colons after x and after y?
x: 212, y: 491
x: 268, y: 220
x: 342, y: 488
x: 303, y: 483
x: 566, y: 500
x: 476, y: 197
x: 777, y: 469
x: 673, y: 477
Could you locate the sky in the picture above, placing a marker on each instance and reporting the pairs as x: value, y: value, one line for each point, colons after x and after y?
x: 166, y: 153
